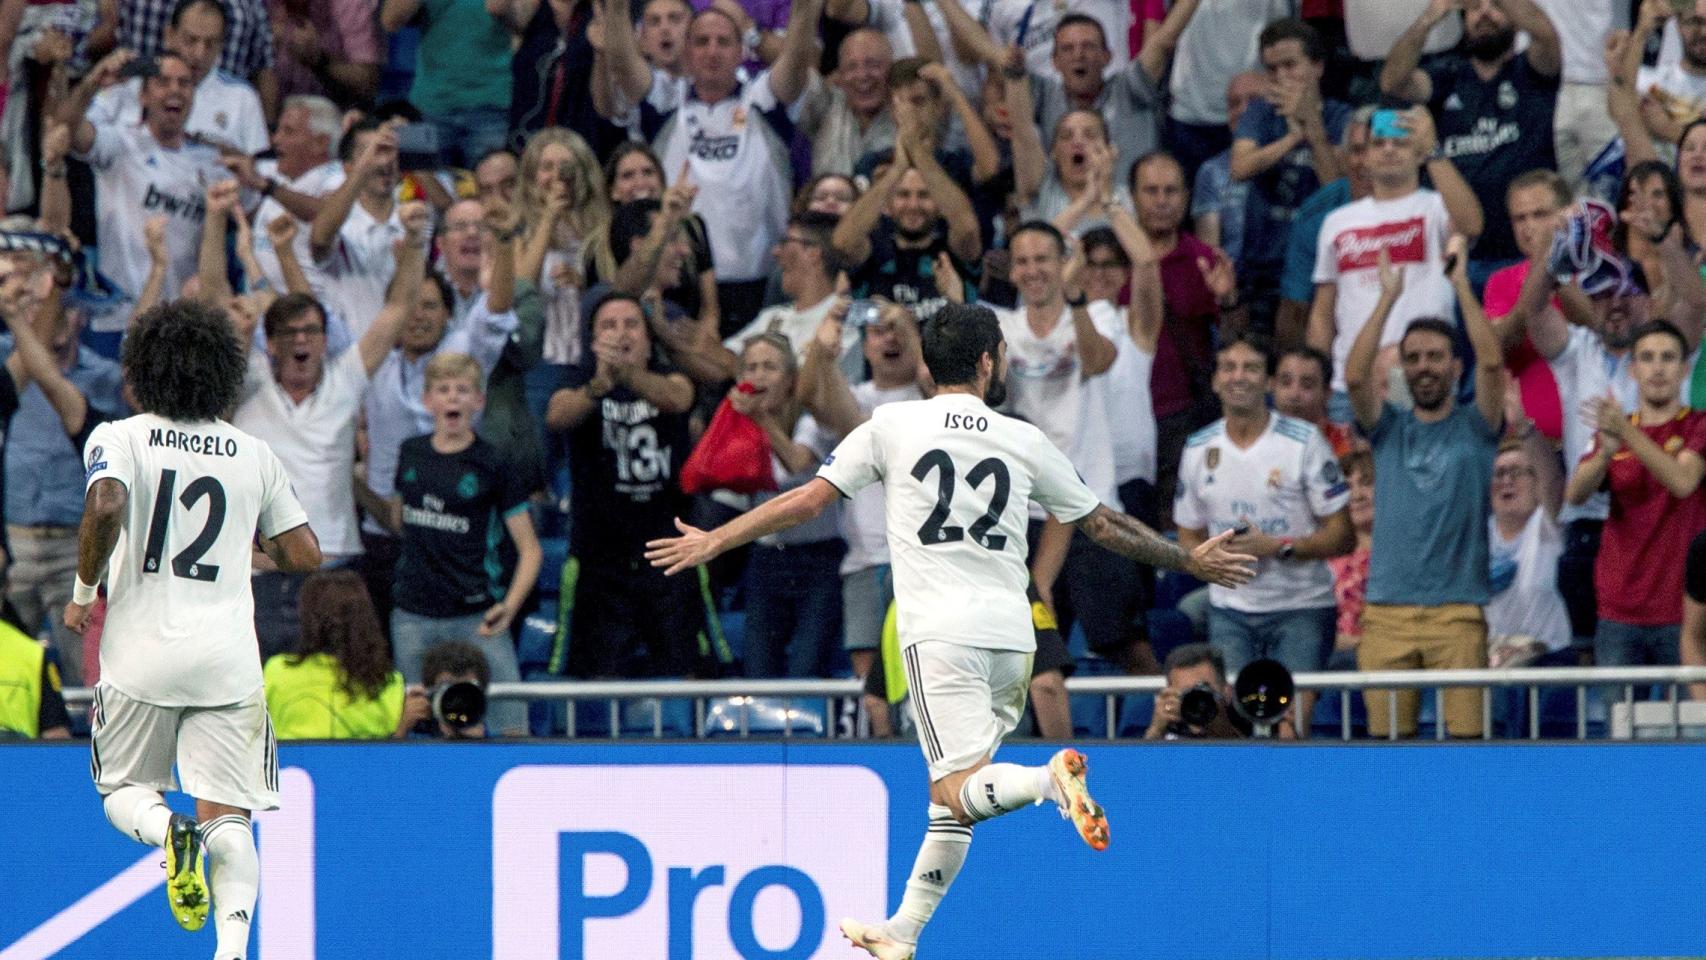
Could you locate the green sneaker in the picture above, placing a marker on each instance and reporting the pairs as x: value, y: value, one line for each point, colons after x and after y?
x: 186, y: 880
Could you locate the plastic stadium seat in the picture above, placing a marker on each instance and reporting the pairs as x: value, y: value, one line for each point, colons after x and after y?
x: 556, y: 550
x: 537, y: 636
x: 1169, y: 629
x: 766, y: 716
x: 1328, y: 718
x: 1171, y: 586
x: 640, y: 718
x: 734, y: 633
x: 1090, y: 713
x: 1135, y: 715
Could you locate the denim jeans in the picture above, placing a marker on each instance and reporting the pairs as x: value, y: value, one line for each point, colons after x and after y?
x: 412, y: 635
x: 465, y: 135
x: 1628, y: 645
x: 793, y: 608
x: 1300, y: 639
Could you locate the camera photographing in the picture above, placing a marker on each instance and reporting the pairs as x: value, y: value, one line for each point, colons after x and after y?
x: 1199, y: 705
x: 458, y: 704
x: 1263, y: 692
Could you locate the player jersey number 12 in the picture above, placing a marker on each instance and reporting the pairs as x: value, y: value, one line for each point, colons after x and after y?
x: 187, y: 563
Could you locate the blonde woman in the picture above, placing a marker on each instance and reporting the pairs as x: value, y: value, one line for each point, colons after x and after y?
x: 566, y: 223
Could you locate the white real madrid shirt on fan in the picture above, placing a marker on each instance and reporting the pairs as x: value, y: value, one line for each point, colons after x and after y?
x: 225, y: 110
x: 137, y: 178
x: 957, y: 477
x: 737, y: 152
x: 1282, y: 484
x: 1046, y: 385
x: 180, y: 614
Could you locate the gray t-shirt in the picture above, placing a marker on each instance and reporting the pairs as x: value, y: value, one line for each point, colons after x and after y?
x: 1431, y: 501
x: 1130, y: 104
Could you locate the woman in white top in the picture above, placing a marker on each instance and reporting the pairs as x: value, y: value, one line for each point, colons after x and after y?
x: 1526, y: 618
x: 1527, y: 622
x: 1081, y: 181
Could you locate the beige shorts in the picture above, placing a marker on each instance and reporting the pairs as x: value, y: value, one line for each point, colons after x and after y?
x: 225, y: 755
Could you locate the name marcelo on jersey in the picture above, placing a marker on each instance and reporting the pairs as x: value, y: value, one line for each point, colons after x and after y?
x: 213, y: 446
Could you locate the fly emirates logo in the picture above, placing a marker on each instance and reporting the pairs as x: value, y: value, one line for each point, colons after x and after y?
x: 1359, y: 248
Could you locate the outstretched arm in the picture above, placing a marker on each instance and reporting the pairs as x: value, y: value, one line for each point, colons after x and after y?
x: 696, y: 546
x: 1129, y: 537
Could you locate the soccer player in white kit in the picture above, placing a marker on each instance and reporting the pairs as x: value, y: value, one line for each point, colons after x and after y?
x: 957, y: 477
x: 175, y: 499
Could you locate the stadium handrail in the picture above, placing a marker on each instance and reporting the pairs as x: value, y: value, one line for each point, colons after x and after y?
x: 1344, y: 683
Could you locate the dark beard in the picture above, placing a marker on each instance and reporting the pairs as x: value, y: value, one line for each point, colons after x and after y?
x: 995, y: 394
x: 1436, y: 402
x: 914, y: 238
x: 1490, y: 47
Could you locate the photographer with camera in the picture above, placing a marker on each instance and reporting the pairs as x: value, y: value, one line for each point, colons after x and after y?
x: 1197, y: 702
x: 452, y: 702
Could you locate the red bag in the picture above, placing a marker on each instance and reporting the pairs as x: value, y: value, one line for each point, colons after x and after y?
x: 734, y: 454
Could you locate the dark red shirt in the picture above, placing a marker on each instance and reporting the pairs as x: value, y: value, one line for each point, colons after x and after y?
x: 1639, y: 573
x: 1185, y: 354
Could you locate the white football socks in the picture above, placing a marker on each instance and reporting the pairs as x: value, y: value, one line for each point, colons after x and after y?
x: 139, y: 813
x: 233, y: 874
x: 946, y: 843
x: 1002, y: 788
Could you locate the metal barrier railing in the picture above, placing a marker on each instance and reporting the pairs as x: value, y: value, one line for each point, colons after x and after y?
x: 741, y: 695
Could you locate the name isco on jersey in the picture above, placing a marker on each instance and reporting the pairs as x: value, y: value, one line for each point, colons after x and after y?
x: 191, y: 208
x: 213, y: 446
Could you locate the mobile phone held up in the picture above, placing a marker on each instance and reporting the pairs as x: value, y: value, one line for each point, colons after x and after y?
x: 1388, y: 125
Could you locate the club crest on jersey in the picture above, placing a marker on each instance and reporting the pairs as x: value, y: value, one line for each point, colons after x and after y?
x: 1276, y: 477
x: 95, y: 461
x: 468, y: 485
x: 1211, y: 459
x: 1507, y: 95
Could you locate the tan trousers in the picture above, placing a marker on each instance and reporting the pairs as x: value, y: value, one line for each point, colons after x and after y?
x: 1396, y: 637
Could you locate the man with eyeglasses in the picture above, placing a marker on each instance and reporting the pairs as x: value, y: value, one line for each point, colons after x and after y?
x: 809, y: 267
x: 305, y: 407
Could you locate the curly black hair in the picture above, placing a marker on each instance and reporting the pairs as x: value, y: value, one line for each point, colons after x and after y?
x: 184, y: 362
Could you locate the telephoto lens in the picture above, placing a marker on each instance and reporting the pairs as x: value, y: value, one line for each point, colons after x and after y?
x: 458, y: 705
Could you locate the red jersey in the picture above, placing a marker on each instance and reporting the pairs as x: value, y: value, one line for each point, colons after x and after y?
x: 1638, y: 575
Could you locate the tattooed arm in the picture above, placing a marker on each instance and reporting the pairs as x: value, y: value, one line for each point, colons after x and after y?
x: 1210, y: 562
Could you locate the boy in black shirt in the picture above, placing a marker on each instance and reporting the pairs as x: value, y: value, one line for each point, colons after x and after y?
x: 626, y: 413
x: 452, y: 490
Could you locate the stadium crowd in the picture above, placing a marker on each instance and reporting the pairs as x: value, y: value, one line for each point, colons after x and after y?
x: 1408, y: 293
